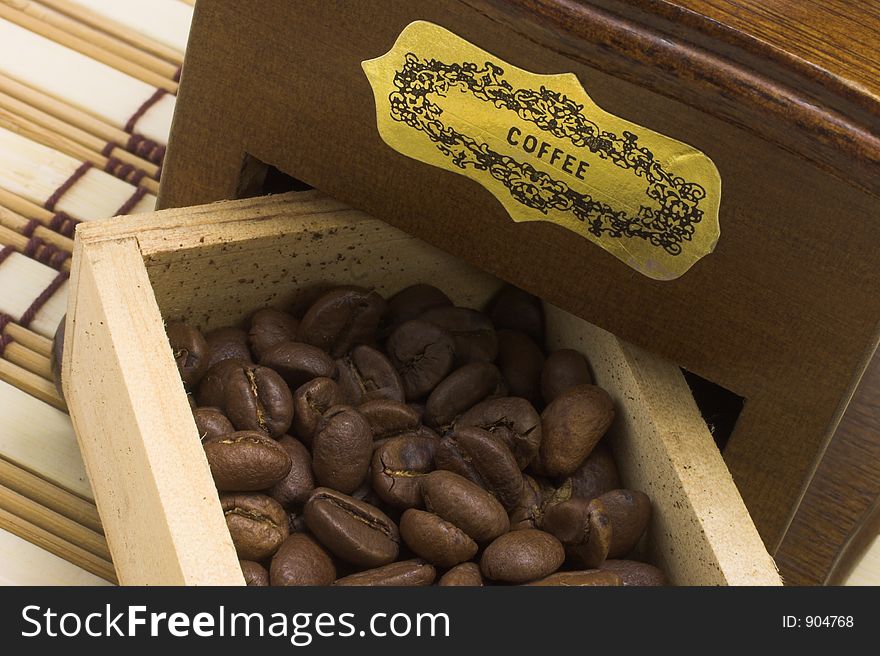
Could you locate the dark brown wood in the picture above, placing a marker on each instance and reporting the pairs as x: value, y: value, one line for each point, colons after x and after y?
x: 772, y: 314
x: 839, y: 515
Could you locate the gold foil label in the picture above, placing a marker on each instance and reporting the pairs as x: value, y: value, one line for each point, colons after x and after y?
x: 546, y: 150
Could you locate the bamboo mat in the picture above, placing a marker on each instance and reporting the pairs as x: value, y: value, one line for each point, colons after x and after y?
x: 87, y: 92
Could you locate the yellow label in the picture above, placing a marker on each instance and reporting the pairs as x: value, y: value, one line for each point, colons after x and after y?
x: 546, y: 150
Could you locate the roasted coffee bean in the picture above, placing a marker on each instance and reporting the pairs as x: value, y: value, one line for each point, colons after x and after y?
x: 473, y: 453
x: 227, y: 344
x: 296, y: 521
x: 255, y: 575
x: 583, y: 527
x: 563, y: 369
x: 355, y: 531
x: 596, y: 475
x: 298, y: 363
x: 423, y: 355
x: 296, y: 487
x: 270, y: 327
x: 522, y: 556
x: 257, y: 523
x: 418, y: 407
x: 571, y: 426
x: 514, y: 309
x: 472, y: 332
x: 190, y: 352
x: 433, y: 538
x: 409, y: 303
x: 210, y: 423
x: 251, y: 396
x: 466, y: 574
x: 632, y: 572
x: 397, y: 468
x: 583, y: 578
x: 342, y: 318
x: 301, y: 561
x: 459, y: 391
x: 389, y: 418
x: 521, y: 362
x: 310, y: 401
x: 246, y: 461
x: 366, y: 374
x: 189, y: 399
x: 464, y: 504
x: 529, y: 507
x: 407, y: 573
x: 512, y: 420
x: 629, y: 512
x: 341, y: 449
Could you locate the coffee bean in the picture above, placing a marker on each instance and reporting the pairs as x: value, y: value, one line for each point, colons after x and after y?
x: 466, y: 574
x: 511, y: 420
x: 632, y: 572
x: 629, y: 512
x: 596, y: 475
x: 521, y: 362
x: 246, y: 461
x: 571, y: 426
x: 473, y: 453
x: 210, y: 422
x: 522, y: 556
x: 459, y: 391
x: 297, y: 486
x: 407, y: 573
x: 190, y: 352
x: 583, y: 578
x: 296, y: 521
x: 298, y: 363
x: 366, y: 374
x: 423, y: 355
x: 397, y: 467
x: 412, y: 301
x: 341, y: 449
x: 342, y: 318
x: 389, y: 418
x: 464, y: 504
x: 227, y: 344
x: 270, y: 327
x: 563, y: 370
x: 583, y: 527
x: 255, y: 575
x: 528, y: 509
x: 301, y: 561
x: 257, y: 523
x: 515, y: 309
x: 310, y: 401
x: 472, y: 332
x: 251, y: 396
x: 355, y: 531
x: 433, y: 538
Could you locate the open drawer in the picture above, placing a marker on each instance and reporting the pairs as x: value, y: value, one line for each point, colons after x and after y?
x: 214, y: 265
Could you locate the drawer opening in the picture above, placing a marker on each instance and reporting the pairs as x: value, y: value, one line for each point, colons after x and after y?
x: 719, y: 406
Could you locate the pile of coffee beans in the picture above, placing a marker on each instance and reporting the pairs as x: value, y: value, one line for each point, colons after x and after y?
x: 411, y: 442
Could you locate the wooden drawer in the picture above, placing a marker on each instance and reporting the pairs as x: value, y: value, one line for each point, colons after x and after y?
x: 215, y: 264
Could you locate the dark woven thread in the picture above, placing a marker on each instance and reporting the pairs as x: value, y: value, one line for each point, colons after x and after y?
x: 106, y: 150
x: 128, y: 205
x: 5, y: 340
x: 64, y: 224
x: 123, y: 170
x: 46, y: 253
x: 41, y: 300
x: 146, y: 148
x: 5, y: 252
x: 55, y: 197
x: 29, y: 228
x: 177, y: 73
x: 149, y: 102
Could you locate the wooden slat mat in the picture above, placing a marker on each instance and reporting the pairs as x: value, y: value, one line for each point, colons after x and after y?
x: 87, y: 91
